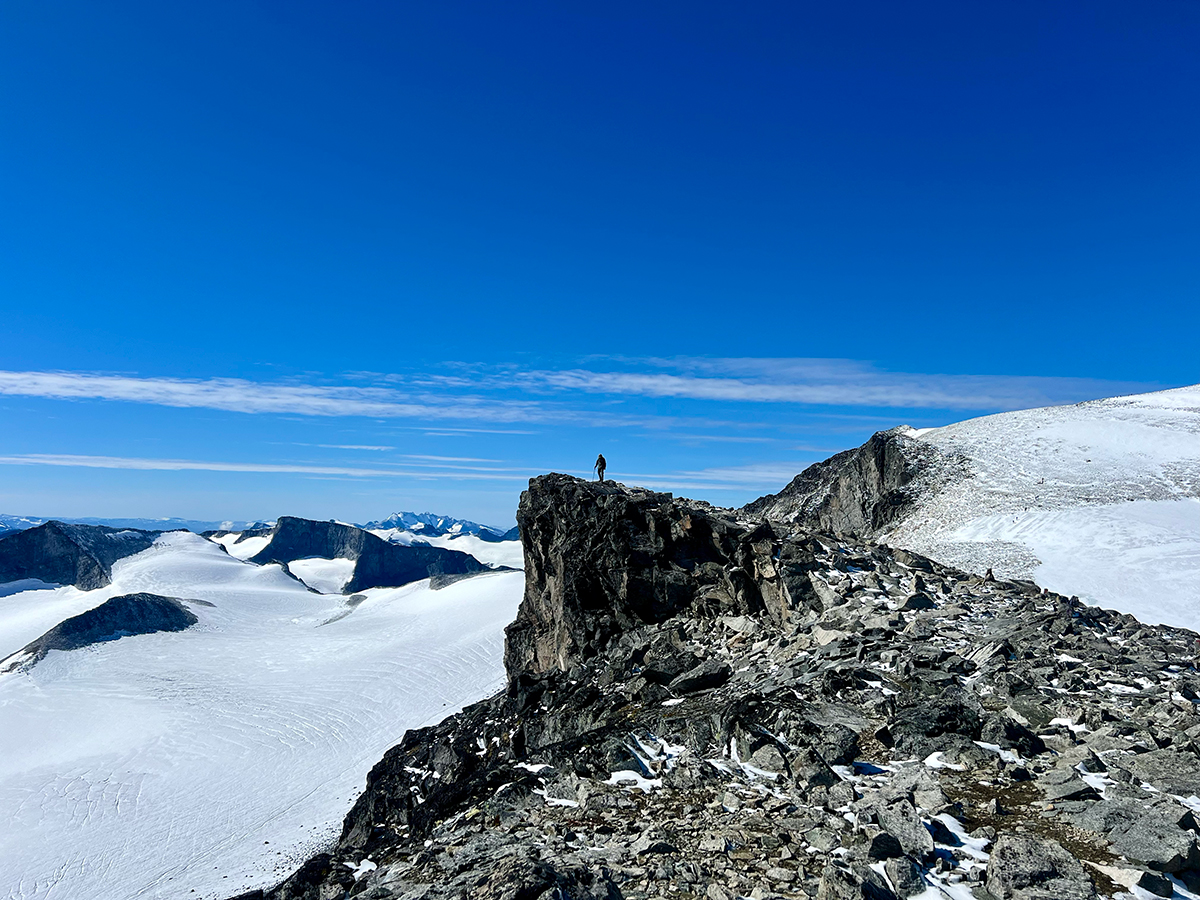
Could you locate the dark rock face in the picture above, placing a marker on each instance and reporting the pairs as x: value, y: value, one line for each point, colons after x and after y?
x: 119, y: 617
x: 82, y: 555
x: 680, y: 717
x: 857, y: 491
x: 601, y: 559
x: 377, y: 562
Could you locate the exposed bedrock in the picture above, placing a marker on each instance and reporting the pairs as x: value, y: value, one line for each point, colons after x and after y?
x: 857, y: 491
x: 700, y: 705
x: 601, y: 559
x: 57, y: 553
x: 378, y: 563
x: 123, y: 616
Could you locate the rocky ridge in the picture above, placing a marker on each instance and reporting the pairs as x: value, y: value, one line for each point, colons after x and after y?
x: 378, y: 563
x: 863, y: 490
x: 123, y: 616
x: 1087, y: 498
x: 704, y: 704
x: 58, y: 553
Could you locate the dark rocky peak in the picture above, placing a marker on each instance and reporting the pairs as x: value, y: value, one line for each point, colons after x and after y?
x: 378, y: 563
x: 58, y: 553
x: 295, y: 538
x: 602, y: 559
x: 123, y: 616
x: 856, y: 491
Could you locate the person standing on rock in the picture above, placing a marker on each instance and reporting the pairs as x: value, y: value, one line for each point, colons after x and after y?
x: 599, y: 466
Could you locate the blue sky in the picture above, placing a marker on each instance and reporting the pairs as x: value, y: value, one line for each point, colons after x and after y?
x: 339, y: 259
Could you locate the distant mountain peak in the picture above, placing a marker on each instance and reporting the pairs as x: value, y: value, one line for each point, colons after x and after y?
x: 434, y: 525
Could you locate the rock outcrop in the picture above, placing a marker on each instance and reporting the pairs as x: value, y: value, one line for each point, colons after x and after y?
x: 856, y: 491
x: 122, y: 616
x: 703, y: 705
x: 602, y: 559
x: 80, y: 555
x: 378, y: 563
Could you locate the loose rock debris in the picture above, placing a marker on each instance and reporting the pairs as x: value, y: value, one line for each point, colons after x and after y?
x: 702, y: 706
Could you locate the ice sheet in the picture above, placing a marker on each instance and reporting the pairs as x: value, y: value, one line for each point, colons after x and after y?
x: 220, y: 757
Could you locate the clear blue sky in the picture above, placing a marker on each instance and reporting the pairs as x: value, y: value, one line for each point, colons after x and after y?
x: 717, y: 242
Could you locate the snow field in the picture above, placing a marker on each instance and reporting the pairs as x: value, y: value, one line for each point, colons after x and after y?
x: 329, y: 576
x: 498, y: 553
x: 218, y: 758
x: 1099, y: 500
x: 242, y: 549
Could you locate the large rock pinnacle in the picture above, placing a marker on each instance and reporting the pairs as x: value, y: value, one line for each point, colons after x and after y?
x: 601, y: 558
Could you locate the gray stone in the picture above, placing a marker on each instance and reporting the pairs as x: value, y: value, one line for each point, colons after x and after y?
x: 1156, y: 883
x: 905, y: 877
x: 900, y: 820
x: 855, y: 883
x: 1026, y: 867
x: 1153, y: 842
x: 709, y: 674
x: 123, y: 616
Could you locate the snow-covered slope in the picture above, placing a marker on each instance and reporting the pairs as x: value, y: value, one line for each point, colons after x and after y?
x: 488, y: 552
x: 1100, y: 499
x: 216, y: 758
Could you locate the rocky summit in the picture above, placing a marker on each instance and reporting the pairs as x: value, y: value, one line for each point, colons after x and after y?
x: 702, y: 703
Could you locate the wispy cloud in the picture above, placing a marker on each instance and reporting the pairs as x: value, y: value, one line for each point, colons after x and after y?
x: 238, y: 395
x: 494, y: 397
x: 760, y: 477
x: 354, y: 447
x: 451, y: 458
x: 186, y: 465
x: 708, y: 438
x: 823, y: 383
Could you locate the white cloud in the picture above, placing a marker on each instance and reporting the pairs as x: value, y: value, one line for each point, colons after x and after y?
x: 238, y: 395
x: 826, y: 383
x: 440, y: 399
x: 185, y: 465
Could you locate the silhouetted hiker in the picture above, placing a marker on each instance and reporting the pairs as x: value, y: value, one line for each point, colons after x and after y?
x: 599, y: 466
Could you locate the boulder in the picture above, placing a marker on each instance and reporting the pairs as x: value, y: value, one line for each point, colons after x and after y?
x: 1027, y: 867
x: 857, y: 882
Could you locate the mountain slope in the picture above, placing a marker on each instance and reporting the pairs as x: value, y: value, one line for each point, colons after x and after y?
x: 377, y: 563
x: 123, y: 616
x: 1099, y: 499
x: 57, y: 553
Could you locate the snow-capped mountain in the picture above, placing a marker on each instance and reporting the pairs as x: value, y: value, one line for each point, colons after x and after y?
x: 17, y: 523
x: 1100, y: 499
x: 432, y: 525
x: 189, y: 723
x: 487, y: 544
